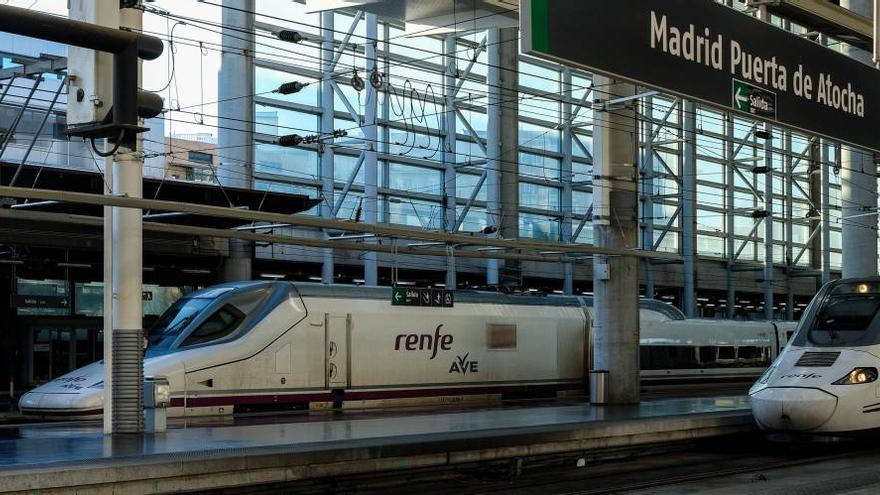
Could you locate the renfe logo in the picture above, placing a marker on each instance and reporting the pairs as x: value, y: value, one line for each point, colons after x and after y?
x: 425, y: 341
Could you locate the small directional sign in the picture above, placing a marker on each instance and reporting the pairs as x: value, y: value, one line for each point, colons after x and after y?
x: 752, y: 99
x: 434, y: 298
x: 38, y: 301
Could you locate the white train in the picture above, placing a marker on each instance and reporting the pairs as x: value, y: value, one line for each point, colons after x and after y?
x: 249, y: 345
x: 826, y: 380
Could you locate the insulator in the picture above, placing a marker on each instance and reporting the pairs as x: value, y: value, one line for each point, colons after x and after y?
x: 291, y: 87
x: 290, y: 140
x: 290, y: 36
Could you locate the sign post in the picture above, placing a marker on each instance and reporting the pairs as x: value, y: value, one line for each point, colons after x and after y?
x: 708, y: 52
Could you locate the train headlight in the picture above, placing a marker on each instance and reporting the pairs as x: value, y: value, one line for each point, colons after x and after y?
x: 858, y: 376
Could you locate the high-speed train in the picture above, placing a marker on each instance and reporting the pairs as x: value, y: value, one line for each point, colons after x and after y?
x: 825, y: 381
x: 250, y: 345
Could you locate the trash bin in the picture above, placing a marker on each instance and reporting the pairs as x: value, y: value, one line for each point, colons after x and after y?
x: 598, y: 386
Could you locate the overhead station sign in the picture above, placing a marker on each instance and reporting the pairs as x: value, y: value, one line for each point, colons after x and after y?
x: 702, y: 50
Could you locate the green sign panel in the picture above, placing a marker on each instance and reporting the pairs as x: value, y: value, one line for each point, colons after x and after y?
x: 751, y: 99
x: 434, y: 298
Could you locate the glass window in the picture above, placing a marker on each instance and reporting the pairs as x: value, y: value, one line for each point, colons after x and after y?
x: 538, y: 227
x: 280, y: 122
x: 846, y: 316
x: 415, y: 179
x: 537, y: 196
x: 295, y: 162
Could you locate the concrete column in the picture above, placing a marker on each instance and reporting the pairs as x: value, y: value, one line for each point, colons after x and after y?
x: 493, y: 144
x: 235, y: 110
x: 858, y: 178
x: 615, y: 224
x: 235, y: 80
x: 509, y: 145
x: 565, y: 198
x: 371, y: 134
x: 450, y: 212
x: 689, y: 206
x: 327, y: 172
x: 127, y: 366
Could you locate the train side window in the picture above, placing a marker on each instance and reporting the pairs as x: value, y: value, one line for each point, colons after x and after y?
x: 501, y: 336
x: 747, y: 352
x: 708, y: 354
x: 659, y: 357
x: 788, y: 335
x: 726, y: 352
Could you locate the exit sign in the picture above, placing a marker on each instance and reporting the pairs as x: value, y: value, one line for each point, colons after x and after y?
x: 433, y: 298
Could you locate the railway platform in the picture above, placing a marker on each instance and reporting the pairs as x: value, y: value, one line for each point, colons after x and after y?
x: 60, y: 458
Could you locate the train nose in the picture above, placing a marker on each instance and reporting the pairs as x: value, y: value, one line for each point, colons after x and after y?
x: 792, y: 409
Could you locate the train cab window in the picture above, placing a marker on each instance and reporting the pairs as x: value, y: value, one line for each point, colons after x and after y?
x: 226, y: 320
x: 220, y: 324
x: 847, y: 316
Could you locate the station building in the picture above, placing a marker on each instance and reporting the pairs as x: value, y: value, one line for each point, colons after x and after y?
x: 758, y: 215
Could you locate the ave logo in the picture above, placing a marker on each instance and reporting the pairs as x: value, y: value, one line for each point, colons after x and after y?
x: 463, y: 366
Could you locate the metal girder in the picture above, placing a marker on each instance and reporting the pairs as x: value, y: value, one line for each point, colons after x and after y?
x: 355, y: 116
x: 39, y: 129
x: 467, y: 71
x: 470, y: 201
x: 354, y: 22
x: 46, y: 63
x: 314, y: 221
x: 667, y: 228
x: 348, y: 183
x: 471, y: 131
x: 749, y: 238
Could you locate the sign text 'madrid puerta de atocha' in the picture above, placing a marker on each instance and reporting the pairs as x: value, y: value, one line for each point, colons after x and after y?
x: 705, y: 51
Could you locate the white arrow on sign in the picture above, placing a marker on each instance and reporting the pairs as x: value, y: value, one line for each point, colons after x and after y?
x: 740, y: 99
x: 397, y: 296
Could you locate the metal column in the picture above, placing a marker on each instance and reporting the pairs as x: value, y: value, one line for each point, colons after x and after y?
x: 493, y: 144
x: 825, y: 171
x: 729, y: 213
x: 615, y: 223
x: 789, y: 227
x: 689, y: 206
x: 371, y: 134
x: 450, y: 212
x: 326, y: 151
x: 565, y: 177
x: 768, y: 224
x: 648, y: 193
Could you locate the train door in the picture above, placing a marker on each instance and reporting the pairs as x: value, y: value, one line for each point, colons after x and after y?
x: 337, y: 337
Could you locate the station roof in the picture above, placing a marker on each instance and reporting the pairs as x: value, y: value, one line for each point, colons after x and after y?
x: 167, y: 189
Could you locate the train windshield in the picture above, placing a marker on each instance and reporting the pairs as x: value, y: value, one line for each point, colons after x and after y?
x: 210, y: 322
x: 847, y: 316
x: 168, y: 327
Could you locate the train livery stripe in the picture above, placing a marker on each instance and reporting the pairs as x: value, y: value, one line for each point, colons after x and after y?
x: 876, y: 409
x: 243, y: 399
